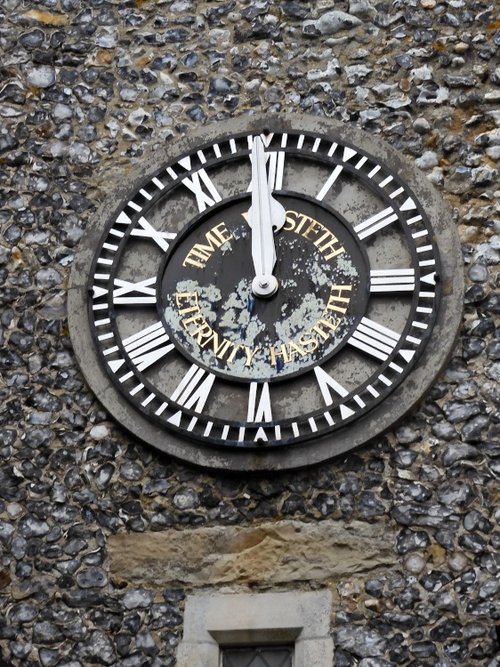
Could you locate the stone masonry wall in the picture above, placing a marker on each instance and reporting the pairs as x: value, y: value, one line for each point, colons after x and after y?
x: 85, y: 86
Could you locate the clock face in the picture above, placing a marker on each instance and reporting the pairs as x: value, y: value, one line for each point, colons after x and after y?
x: 266, y: 294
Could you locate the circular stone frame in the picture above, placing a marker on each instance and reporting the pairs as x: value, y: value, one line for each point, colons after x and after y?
x: 378, y: 420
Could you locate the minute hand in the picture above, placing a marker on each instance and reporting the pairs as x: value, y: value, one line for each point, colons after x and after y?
x: 265, y: 216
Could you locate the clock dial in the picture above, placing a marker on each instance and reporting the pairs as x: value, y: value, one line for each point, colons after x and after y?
x: 263, y: 289
x: 210, y: 309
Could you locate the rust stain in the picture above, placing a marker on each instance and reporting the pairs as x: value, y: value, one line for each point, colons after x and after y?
x: 439, y: 46
x: 458, y: 119
x: 34, y: 91
x: 432, y: 140
x: 492, y: 27
x: 44, y: 130
x: 105, y: 56
x: 4, y: 578
x: 143, y: 61
x: 460, y: 116
x: 46, y: 18
x: 437, y: 553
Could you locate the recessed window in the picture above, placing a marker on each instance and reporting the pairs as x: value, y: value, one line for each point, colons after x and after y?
x: 257, y: 656
x: 289, y: 629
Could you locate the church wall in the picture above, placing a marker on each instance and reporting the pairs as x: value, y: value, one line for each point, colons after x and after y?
x: 103, y: 538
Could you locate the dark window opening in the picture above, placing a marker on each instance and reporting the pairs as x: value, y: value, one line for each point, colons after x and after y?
x: 258, y: 656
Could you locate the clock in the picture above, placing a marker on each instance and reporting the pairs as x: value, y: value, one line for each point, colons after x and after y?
x: 266, y: 293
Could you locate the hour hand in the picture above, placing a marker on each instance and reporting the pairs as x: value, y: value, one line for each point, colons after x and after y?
x: 266, y: 215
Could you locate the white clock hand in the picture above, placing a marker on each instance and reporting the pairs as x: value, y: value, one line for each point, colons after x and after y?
x: 265, y: 216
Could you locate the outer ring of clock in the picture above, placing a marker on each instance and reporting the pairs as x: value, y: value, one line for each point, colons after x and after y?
x: 371, y: 424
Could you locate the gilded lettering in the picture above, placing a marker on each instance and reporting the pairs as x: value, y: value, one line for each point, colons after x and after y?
x: 317, y: 329
x: 203, y: 331
x: 314, y: 226
x: 200, y: 253
x: 187, y: 296
x: 309, y: 343
x: 312, y: 230
x: 275, y: 355
x: 290, y: 221
x: 294, y: 349
x: 330, y: 325
x: 219, y: 346
x: 250, y: 354
x: 192, y: 320
x: 332, y: 244
x: 223, y: 348
x: 336, y: 298
x: 302, y: 221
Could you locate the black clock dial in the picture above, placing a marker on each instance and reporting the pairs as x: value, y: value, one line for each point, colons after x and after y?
x: 214, y: 318
x: 264, y: 290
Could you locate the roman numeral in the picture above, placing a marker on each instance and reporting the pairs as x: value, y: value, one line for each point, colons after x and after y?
x: 146, y: 230
x: 392, y: 280
x: 275, y: 169
x: 259, y: 407
x: 194, y: 389
x: 275, y: 164
x: 346, y: 156
x: 375, y: 223
x: 374, y: 339
x: 327, y: 384
x: 200, y: 185
x: 144, y: 348
x: 134, y: 294
x: 329, y: 182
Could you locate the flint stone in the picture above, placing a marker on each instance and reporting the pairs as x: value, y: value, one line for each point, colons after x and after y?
x: 362, y: 642
x: 186, y: 498
x: 361, y: 8
x: 42, y: 77
x: 457, y: 492
x: 478, y: 272
x: 233, y: 553
x: 415, y: 563
x: 93, y: 577
x: 6, y: 530
x: 428, y: 160
x: 331, y: 22
x: 444, y: 430
x: 472, y: 430
x: 424, y: 649
x: 23, y: 613
x: 32, y: 527
x: 138, y: 599
x: 46, y: 633
x: 410, y: 541
x: 456, y: 411
x: 445, y: 600
x: 100, y: 648
x: 409, y: 514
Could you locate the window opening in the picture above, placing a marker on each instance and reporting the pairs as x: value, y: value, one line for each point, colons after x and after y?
x: 258, y: 656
